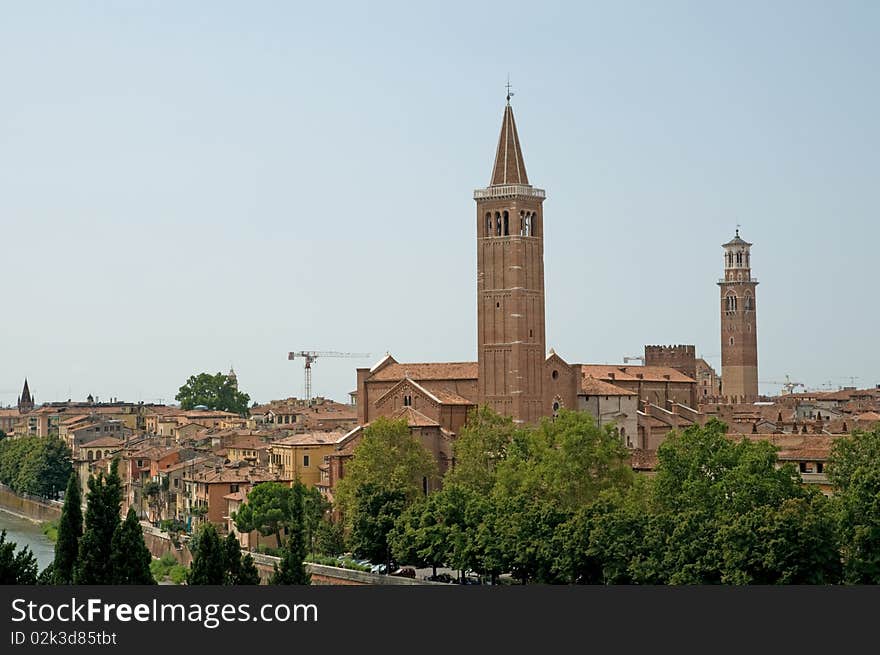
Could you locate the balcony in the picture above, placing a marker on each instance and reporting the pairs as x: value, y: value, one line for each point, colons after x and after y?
x: 751, y: 279
x: 509, y: 191
x: 814, y: 478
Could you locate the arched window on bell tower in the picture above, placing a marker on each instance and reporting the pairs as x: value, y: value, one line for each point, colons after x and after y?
x: 506, y: 224
x: 749, y: 302
x: 497, y: 224
x: 730, y: 303
x: 488, y: 224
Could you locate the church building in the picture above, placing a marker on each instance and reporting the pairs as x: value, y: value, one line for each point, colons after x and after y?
x: 513, y: 374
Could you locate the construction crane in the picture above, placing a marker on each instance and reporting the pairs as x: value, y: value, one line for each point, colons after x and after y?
x: 788, y: 386
x: 310, y: 356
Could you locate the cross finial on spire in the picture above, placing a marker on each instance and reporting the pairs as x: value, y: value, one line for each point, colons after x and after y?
x: 509, y: 94
x: 737, y: 228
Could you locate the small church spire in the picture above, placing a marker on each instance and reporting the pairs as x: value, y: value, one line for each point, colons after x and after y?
x: 509, y: 167
x: 26, y: 400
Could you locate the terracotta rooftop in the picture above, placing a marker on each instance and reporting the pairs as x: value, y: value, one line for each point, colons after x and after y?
x: 593, y: 387
x: 868, y: 416
x: 415, y: 418
x: 247, y: 442
x: 231, y: 474
x: 447, y: 397
x: 75, y: 419
x: 104, y: 442
x: 606, y: 372
x: 311, y: 439
x: 427, y: 371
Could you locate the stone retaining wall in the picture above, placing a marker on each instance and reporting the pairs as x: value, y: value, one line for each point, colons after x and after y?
x: 29, y: 507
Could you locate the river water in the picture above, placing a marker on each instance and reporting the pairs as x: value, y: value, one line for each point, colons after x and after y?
x: 28, y: 533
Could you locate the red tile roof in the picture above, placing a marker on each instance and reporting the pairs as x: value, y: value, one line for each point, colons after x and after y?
x: 427, y: 371
x: 593, y: 387
x: 415, y: 418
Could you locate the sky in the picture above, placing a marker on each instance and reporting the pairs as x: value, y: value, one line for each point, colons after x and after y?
x: 190, y: 186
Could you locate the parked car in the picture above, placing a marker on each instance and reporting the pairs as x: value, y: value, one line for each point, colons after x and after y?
x: 379, y: 568
x: 441, y: 577
x: 405, y: 572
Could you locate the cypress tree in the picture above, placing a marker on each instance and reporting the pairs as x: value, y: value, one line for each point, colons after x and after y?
x: 102, y: 519
x: 209, y: 558
x: 70, y: 529
x: 239, y: 570
x: 129, y: 556
x: 248, y: 574
x: 293, y: 569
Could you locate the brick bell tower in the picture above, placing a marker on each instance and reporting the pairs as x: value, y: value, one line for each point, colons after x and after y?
x: 510, y: 284
x: 739, y: 338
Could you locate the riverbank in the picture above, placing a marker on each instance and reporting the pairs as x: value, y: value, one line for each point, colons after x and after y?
x: 25, y: 531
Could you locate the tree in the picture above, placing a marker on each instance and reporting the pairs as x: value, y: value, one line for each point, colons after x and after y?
x: 550, y: 473
x: 102, y: 518
x: 46, y: 469
x: 724, y: 511
x: 209, y: 558
x: 129, y: 557
x: 293, y: 569
x: 315, y: 508
x: 219, y: 392
x: 70, y: 529
x: 854, y: 470
x: 239, y: 570
x: 329, y: 538
x: 16, y: 567
x: 388, y: 457
x: 480, y: 447
x: 438, y: 530
x: 267, y: 510
x: 376, y: 509
x: 35, y: 465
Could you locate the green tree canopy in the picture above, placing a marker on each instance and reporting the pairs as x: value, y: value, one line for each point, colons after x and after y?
x: 267, y: 510
x: 718, y: 511
x: 388, y: 457
x: 217, y: 392
x: 36, y: 465
x: 375, y: 510
x: 480, y: 447
x: 16, y: 567
x: 239, y: 570
x: 129, y: 557
x: 70, y: 529
x: 292, y: 570
x: 208, y: 558
x: 854, y: 470
x: 440, y: 530
x: 103, y: 503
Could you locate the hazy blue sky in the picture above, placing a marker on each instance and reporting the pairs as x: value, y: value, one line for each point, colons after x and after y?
x: 189, y: 185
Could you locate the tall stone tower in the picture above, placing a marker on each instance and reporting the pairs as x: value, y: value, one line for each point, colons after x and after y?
x: 25, y: 400
x: 739, y: 337
x: 510, y: 284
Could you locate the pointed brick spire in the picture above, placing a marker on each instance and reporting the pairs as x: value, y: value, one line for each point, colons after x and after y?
x: 26, y: 401
x: 509, y: 166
